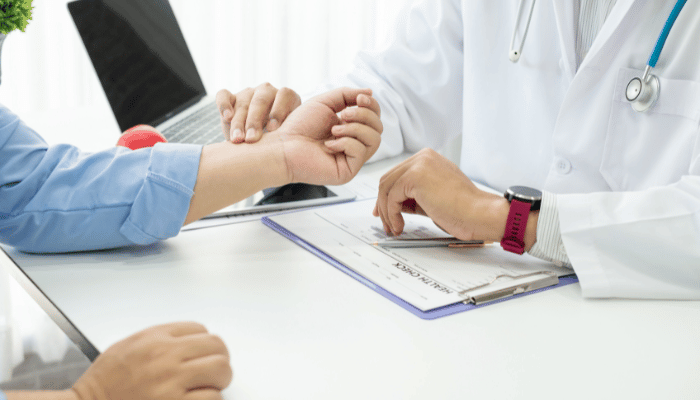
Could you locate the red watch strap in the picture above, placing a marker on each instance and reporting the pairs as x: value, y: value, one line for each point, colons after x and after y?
x: 514, y: 236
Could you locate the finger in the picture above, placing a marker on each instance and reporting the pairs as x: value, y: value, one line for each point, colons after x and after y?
x: 201, y: 345
x: 377, y: 213
x: 203, y: 394
x: 259, y: 111
x: 286, y: 101
x: 363, y: 133
x: 369, y: 102
x: 225, y: 102
x: 177, y: 329
x: 240, y: 114
x: 341, y: 98
x: 207, y: 372
x: 363, y: 116
x: 352, y: 156
x: 395, y: 202
x: 386, y: 184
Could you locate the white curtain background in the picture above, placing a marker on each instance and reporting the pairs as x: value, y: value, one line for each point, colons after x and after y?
x: 235, y: 44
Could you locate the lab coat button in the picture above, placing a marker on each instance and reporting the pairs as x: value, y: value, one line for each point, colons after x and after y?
x: 562, y: 165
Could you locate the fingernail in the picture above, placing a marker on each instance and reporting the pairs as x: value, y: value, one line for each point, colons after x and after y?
x: 329, y: 143
x: 250, y: 134
x: 337, y: 129
x: 237, y: 135
x: 349, y: 113
x: 227, y: 115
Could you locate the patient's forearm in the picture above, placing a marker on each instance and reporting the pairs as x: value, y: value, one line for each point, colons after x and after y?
x: 229, y: 173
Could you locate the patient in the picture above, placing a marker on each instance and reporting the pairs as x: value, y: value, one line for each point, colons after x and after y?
x: 58, y: 199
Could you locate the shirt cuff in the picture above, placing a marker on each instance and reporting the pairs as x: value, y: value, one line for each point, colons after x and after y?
x: 2, y: 395
x: 549, y: 245
x: 161, y: 206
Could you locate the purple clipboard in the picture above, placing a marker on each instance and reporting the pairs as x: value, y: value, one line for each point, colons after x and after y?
x: 431, y: 314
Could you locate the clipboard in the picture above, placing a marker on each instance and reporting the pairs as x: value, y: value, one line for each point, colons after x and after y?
x: 504, y: 287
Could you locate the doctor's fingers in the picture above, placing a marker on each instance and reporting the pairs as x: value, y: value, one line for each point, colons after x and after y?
x: 286, y: 101
x: 258, y: 111
x: 396, y: 198
x: 225, y: 101
x: 240, y: 113
x: 364, y: 116
x: 387, y: 184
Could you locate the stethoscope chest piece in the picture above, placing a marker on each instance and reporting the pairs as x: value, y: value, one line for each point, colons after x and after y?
x: 643, y: 92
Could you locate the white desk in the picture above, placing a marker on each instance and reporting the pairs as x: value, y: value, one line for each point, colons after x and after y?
x: 297, y: 328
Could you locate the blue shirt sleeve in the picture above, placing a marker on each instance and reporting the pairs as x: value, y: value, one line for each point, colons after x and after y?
x: 58, y: 199
x: 2, y: 395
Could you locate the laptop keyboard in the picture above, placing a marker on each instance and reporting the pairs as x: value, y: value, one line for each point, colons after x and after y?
x: 201, y: 127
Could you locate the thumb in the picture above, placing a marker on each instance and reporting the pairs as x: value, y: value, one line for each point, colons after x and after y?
x: 341, y: 98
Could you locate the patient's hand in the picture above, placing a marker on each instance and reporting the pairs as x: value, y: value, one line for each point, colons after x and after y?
x: 169, y: 362
x: 245, y: 115
x: 320, y: 147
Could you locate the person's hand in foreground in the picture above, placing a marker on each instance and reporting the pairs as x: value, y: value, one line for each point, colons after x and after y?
x: 166, y: 362
x: 431, y: 185
x: 313, y: 145
x: 250, y: 112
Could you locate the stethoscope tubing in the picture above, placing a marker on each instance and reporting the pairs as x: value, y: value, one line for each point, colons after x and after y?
x: 642, y: 93
x: 654, y: 58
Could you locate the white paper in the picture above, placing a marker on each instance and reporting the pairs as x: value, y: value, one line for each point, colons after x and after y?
x: 427, y: 278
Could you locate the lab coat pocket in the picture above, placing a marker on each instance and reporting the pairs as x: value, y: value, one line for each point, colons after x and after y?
x: 655, y: 147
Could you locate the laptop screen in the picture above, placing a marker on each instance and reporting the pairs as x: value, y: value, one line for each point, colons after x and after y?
x: 140, y: 56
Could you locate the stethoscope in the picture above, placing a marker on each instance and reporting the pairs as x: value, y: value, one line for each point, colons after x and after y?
x: 642, y: 92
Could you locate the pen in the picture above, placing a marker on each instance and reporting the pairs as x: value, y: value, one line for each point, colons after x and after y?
x: 431, y: 242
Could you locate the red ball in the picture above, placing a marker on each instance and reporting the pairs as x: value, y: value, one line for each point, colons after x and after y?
x: 139, y: 137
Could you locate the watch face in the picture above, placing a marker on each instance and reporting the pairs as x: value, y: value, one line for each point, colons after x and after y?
x: 526, y: 194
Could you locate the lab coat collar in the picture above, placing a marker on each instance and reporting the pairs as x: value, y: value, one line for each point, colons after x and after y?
x: 564, y: 14
x: 612, y: 25
x: 566, y: 25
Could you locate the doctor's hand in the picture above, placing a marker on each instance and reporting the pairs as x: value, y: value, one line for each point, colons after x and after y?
x: 322, y: 148
x: 172, y: 361
x: 245, y: 115
x: 431, y: 185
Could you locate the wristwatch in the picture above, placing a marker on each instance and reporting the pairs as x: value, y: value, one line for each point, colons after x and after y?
x: 522, y: 200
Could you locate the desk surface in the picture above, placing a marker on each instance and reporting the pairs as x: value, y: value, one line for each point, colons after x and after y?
x: 299, y: 328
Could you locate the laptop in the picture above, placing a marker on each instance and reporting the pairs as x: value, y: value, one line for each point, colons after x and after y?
x: 149, y: 77
x: 77, y: 337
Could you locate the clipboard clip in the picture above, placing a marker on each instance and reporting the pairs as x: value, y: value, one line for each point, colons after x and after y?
x: 496, y: 290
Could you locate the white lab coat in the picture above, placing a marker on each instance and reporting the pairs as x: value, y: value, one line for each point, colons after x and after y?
x: 628, y: 183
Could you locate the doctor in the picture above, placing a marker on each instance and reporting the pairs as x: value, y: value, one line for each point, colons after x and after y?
x: 616, y: 182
